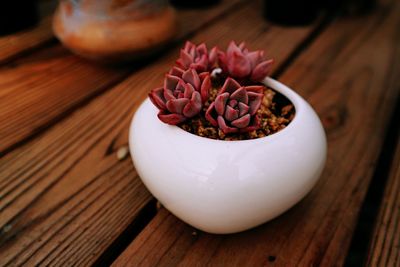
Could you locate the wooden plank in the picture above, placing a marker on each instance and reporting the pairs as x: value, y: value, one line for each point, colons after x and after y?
x: 14, y: 44
x: 385, y: 246
x: 38, y: 92
x: 39, y: 89
x: 65, y: 196
x: 350, y: 76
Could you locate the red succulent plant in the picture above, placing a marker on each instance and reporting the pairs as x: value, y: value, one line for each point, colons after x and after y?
x: 187, y: 86
x: 182, y: 96
x: 197, y: 57
x: 238, y: 62
x: 235, y: 107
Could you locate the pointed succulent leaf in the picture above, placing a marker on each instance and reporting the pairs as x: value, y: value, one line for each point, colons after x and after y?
x: 259, y: 89
x: 191, y: 76
x: 172, y: 118
x: 238, y: 65
x: 188, y: 90
x: 202, y: 49
x: 261, y: 70
x: 254, y: 57
x: 213, y: 57
x: 224, y: 127
x: 157, y: 98
x: 185, y: 59
x: 193, y: 107
x: 177, y: 105
x: 170, y: 82
x: 243, y: 109
x: 223, y: 61
x: 240, y: 95
x: 233, y: 103
x: 254, y: 125
x: 210, y: 115
x: 201, y: 64
x: 232, y: 48
x: 242, y: 46
x: 180, y: 88
x: 175, y: 71
x: 189, y: 46
x: 203, y: 75
x: 242, y: 122
x: 231, y: 113
x: 220, y: 103
x: 229, y: 86
x: 255, y: 102
x: 205, y: 88
x: 191, y: 49
x: 168, y: 95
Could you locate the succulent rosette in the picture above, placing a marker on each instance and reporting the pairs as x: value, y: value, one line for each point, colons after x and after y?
x: 185, y: 97
x: 235, y: 107
x: 197, y: 57
x: 238, y: 62
x: 182, y: 96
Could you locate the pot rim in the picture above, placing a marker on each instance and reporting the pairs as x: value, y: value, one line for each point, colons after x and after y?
x: 297, y: 101
x: 211, y: 175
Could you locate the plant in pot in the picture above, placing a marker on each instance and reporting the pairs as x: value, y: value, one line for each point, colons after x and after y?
x: 221, y: 145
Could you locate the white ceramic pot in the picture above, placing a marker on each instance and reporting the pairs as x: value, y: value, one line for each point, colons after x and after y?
x: 229, y: 186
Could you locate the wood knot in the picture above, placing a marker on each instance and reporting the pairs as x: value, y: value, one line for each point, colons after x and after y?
x: 334, y: 118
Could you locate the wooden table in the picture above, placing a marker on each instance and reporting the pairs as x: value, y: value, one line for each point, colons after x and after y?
x: 66, y: 199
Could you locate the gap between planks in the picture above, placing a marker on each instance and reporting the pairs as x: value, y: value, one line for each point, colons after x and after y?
x: 372, y: 242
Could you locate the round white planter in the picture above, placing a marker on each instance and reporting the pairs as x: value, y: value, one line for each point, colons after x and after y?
x: 229, y: 186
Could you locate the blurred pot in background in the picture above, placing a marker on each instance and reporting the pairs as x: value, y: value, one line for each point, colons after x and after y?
x: 350, y: 7
x: 291, y: 12
x: 304, y: 12
x: 17, y: 15
x: 114, y: 30
x: 193, y: 3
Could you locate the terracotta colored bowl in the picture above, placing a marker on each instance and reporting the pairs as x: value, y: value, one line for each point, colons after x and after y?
x: 119, y: 36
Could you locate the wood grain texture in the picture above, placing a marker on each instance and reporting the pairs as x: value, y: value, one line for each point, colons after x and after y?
x: 38, y: 92
x: 64, y: 195
x: 39, y: 89
x: 350, y: 76
x: 385, y: 246
x: 14, y: 44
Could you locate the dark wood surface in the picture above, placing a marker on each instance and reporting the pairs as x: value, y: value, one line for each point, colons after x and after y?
x: 352, y: 90
x: 66, y: 199
x: 385, y: 246
x: 15, y: 44
x: 42, y: 88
